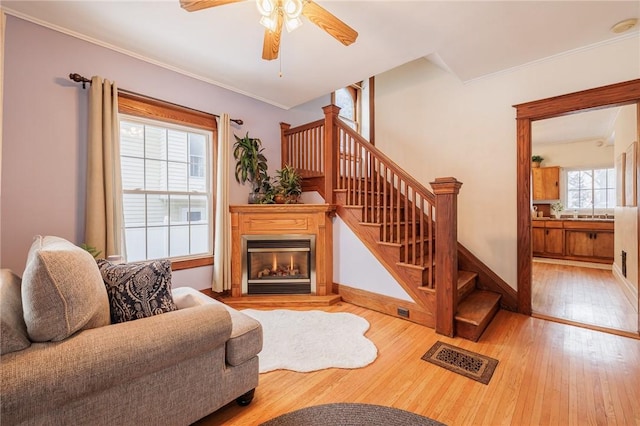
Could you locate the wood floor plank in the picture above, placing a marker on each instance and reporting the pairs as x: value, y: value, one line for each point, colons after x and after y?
x: 548, y: 374
x: 583, y: 295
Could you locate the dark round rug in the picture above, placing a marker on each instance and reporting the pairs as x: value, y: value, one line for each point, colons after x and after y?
x: 351, y: 415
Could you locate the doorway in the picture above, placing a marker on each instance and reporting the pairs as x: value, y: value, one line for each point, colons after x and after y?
x: 619, y: 94
x: 574, y: 277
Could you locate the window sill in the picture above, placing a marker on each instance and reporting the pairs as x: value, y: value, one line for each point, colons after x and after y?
x: 177, y: 265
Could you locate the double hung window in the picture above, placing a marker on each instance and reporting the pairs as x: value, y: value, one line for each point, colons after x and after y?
x: 167, y: 168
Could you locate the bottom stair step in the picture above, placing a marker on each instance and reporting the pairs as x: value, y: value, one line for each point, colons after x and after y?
x: 475, y: 313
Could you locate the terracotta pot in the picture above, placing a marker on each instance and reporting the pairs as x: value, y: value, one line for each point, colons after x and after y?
x: 535, y: 164
x: 279, y: 199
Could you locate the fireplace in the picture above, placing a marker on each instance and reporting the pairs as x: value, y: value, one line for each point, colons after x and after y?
x: 278, y: 264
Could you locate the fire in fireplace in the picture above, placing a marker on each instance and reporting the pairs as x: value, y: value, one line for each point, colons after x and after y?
x: 278, y: 264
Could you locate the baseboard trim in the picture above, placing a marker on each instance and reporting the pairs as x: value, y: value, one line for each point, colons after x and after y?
x: 605, y: 266
x: 627, y: 287
x: 385, y: 304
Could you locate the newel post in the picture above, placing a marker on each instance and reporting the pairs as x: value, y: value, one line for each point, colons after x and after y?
x: 284, y: 145
x: 330, y: 152
x: 446, y: 263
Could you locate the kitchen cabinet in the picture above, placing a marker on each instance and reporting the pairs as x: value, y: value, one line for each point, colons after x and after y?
x: 589, y: 244
x: 546, y: 183
x: 584, y: 240
x: 547, y: 237
x: 537, y: 239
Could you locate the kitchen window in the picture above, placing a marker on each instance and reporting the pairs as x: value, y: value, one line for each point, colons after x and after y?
x: 591, y: 189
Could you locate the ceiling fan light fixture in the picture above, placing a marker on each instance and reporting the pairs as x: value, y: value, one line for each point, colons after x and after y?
x: 269, y: 22
x: 292, y: 23
x: 266, y: 7
x: 292, y: 8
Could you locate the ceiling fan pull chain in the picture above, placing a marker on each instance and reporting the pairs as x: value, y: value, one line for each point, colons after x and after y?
x: 280, y: 63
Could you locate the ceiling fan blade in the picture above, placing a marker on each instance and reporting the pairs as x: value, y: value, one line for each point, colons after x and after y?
x: 328, y: 22
x: 193, y: 5
x: 271, y: 45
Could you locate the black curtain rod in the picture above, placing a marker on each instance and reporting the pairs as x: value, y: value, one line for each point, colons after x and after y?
x: 84, y: 80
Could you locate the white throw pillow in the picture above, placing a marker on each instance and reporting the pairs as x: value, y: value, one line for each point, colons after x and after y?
x: 62, y: 290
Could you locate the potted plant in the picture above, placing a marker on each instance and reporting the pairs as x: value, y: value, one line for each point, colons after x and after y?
x: 251, y: 164
x: 268, y: 192
x: 536, y: 160
x: 557, y: 208
x: 288, y: 184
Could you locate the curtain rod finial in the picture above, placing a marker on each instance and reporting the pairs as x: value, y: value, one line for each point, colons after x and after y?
x: 79, y: 79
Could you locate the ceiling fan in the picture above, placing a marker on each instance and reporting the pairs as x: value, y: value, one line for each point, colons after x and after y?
x: 276, y: 12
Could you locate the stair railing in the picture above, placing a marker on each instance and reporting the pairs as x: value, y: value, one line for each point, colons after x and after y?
x: 330, y: 150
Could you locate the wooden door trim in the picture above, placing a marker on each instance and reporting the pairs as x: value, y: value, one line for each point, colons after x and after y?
x: 618, y: 94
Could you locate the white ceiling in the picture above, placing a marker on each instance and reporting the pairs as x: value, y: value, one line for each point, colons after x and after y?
x: 597, y: 126
x: 223, y: 45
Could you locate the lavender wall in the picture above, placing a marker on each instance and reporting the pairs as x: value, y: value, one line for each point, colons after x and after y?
x: 44, y: 134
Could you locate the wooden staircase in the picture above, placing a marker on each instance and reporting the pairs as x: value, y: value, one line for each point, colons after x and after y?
x: 394, y: 216
x: 476, y: 308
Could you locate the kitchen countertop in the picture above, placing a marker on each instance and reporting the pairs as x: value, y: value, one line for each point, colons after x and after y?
x: 578, y: 219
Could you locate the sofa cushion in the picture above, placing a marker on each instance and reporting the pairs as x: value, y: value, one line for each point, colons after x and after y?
x: 62, y: 290
x: 13, y: 330
x: 138, y: 290
x: 246, y: 333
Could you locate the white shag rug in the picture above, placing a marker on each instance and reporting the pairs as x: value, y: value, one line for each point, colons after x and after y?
x: 312, y: 340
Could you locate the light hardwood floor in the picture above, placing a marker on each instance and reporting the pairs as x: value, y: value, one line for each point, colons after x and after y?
x: 548, y: 374
x: 583, y: 295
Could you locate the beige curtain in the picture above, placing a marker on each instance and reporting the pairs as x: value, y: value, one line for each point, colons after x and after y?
x: 3, y: 20
x: 103, y: 223
x: 222, y: 244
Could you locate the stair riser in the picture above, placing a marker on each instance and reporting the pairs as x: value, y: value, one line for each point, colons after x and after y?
x: 473, y: 332
x: 375, y: 198
x: 418, y: 277
x: 379, y: 215
x: 398, y: 232
x: 374, y: 183
x: 467, y: 289
x: 418, y: 251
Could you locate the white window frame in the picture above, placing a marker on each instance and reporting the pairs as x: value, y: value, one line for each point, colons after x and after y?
x: 355, y: 92
x: 586, y: 210
x: 208, y: 193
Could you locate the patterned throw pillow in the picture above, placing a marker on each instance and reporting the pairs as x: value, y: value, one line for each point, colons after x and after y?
x: 137, y: 290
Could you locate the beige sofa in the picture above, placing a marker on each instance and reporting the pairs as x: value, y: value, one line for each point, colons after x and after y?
x: 63, y: 362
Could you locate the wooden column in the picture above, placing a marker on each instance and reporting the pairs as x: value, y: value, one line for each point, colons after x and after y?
x: 284, y: 150
x: 446, y: 263
x: 525, y: 254
x: 330, y: 152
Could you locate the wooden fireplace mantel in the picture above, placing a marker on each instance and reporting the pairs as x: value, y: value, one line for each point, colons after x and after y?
x: 275, y: 219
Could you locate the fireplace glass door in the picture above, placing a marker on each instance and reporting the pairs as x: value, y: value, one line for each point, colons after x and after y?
x: 278, y: 264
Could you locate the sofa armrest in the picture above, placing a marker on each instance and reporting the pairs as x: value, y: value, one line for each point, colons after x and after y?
x: 246, y: 332
x: 54, y: 373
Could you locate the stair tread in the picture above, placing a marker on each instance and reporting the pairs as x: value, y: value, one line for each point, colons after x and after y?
x: 402, y: 242
x: 381, y: 224
x: 465, y: 278
x: 476, y: 306
x: 412, y: 266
